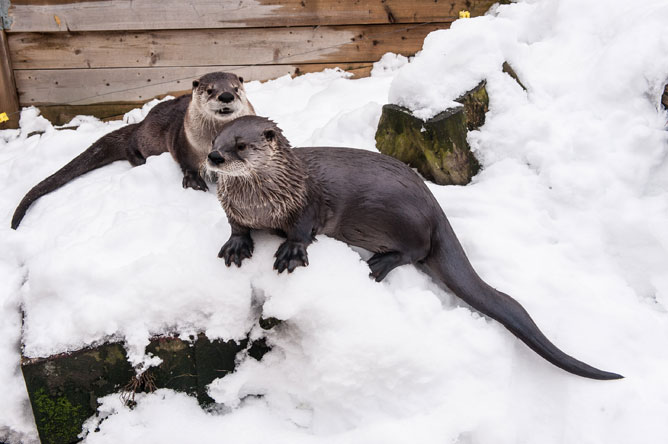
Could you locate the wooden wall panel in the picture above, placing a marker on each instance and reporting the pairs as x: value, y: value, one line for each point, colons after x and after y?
x: 87, y: 86
x: 211, y: 47
x: 69, y: 55
x: 108, y: 15
x: 9, y: 103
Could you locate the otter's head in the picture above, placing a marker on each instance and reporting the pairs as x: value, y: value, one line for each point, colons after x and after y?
x: 220, y: 95
x: 245, y: 146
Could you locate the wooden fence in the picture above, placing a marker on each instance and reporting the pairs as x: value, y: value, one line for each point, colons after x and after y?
x: 104, y: 57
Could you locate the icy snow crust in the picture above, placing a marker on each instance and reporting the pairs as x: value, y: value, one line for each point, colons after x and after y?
x: 568, y: 215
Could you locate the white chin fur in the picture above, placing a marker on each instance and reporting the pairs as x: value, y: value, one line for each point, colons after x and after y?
x: 233, y: 115
x: 234, y: 170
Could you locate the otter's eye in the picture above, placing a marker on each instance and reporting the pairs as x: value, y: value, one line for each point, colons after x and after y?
x: 241, y: 146
x: 236, y: 89
x: 209, y: 91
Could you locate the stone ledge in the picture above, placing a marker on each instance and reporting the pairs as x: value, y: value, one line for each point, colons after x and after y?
x: 64, y: 389
x: 437, y: 147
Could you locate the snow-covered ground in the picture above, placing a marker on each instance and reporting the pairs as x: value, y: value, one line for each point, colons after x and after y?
x: 569, y: 215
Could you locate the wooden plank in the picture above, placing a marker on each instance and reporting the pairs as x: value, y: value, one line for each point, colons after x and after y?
x: 107, y: 15
x: 325, y: 44
x: 62, y: 114
x: 9, y: 102
x: 87, y: 86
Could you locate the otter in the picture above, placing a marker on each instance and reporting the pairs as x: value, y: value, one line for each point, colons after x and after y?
x: 184, y: 126
x: 362, y: 198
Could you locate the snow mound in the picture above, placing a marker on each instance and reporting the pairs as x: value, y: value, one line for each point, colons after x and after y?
x: 568, y: 215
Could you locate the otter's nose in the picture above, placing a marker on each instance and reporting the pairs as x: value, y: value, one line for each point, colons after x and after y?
x: 216, y: 158
x: 226, y: 97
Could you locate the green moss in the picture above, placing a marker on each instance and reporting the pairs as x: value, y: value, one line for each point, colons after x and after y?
x: 171, y: 346
x: 114, y: 355
x: 64, y: 389
x: 61, y: 420
x: 437, y: 147
x: 476, y: 104
x: 178, y: 370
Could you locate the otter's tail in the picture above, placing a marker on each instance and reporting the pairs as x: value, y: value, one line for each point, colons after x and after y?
x: 109, y: 148
x: 455, y: 271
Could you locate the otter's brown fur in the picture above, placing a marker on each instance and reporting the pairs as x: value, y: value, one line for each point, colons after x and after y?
x: 269, y: 194
x: 365, y: 199
x: 184, y: 126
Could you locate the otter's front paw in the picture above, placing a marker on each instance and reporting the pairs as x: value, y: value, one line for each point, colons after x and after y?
x: 192, y: 179
x: 289, y: 256
x: 236, y: 249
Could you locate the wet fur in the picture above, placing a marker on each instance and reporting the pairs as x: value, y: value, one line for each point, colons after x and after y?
x: 364, y: 199
x: 184, y: 126
x: 268, y: 194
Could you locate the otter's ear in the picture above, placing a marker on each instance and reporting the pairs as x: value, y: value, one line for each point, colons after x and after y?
x: 241, y: 79
x: 195, y: 83
x: 269, y: 134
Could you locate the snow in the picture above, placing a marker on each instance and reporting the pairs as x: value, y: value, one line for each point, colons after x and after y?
x: 568, y: 215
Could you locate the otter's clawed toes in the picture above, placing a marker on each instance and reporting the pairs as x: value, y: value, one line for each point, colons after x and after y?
x: 192, y: 179
x: 289, y: 256
x: 236, y: 249
x: 382, y: 263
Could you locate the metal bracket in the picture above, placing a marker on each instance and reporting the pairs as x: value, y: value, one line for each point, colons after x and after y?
x: 5, y: 19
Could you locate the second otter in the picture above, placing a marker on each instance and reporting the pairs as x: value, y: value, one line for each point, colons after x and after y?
x: 364, y: 199
x: 184, y: 126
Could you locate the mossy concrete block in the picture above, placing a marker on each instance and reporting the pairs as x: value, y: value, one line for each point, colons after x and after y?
x: 437, y: 148
x: 215, y: 359
x: 476, y: 105
x: 64, y: 389
x: 178, y: 370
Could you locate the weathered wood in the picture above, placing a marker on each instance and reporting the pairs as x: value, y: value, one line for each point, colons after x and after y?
x: 9, y: 102
x: 62, y: 114
x: 215, y: 359
x: 325, y: 44
x: 87, y: 86
x: 178, y: 370
x: 511, y: 72
x: 64, y: 389
x: 104, y: 15
x: 436, y: 147
x: 476, y: 105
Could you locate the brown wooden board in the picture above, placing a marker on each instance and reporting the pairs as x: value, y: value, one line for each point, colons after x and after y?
x: 88, y: 86
x: 325, y: 44
x: 106, y: 15
x: 9, y: 103
x: 62, y: 114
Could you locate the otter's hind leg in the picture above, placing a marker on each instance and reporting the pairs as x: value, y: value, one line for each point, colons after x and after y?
x: 396, y: 245
x: 134, y: 156
x: 382, y: 263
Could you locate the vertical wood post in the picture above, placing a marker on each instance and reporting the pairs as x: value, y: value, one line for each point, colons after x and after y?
x: 9, y: 101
